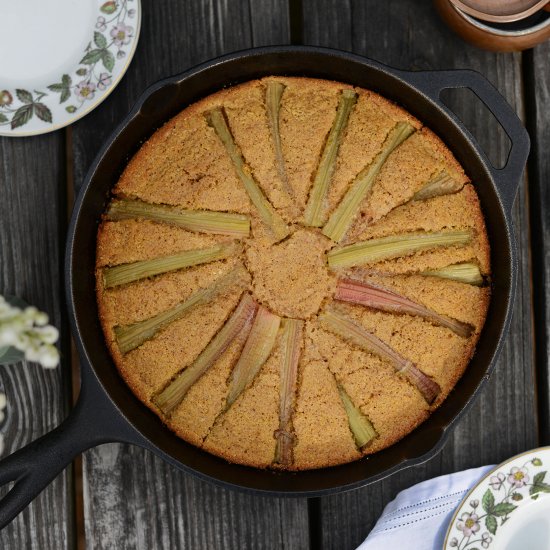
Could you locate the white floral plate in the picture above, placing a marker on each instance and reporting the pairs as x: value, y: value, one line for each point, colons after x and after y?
x: 509, y: 509
x: 59, y: 59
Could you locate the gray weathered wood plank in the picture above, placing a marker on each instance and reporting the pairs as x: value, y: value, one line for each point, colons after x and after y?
x: 503, y: 420
x: 32, y: 221
x: 540, y: 208
x: 131, y: 498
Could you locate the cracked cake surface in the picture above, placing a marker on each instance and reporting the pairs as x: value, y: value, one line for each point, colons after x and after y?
x: 293, y: 273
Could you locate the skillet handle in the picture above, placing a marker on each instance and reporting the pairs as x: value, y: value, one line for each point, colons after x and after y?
x: 93, y: 421
x: 507, y: 178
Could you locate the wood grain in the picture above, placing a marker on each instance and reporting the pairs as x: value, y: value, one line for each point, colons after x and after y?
x: 503, y: 420
x: 538, y: 74
x: 132, y: 499
x: 32, y: 222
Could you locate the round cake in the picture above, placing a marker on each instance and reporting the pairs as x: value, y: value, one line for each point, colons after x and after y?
x: 293, y: 273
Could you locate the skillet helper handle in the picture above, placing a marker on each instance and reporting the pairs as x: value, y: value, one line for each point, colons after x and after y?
x: 507, y: 178
x: 93, y: 421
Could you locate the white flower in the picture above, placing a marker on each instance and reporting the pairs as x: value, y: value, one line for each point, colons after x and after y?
x: 518, y: 477
x: 497, y: 481
x: 132, y: 13
x: 85, y: 90
x: 121, y: 34
x: 468, y: 524
x: 27, y: 330
x: 121, y: 54
x: 486, y: 540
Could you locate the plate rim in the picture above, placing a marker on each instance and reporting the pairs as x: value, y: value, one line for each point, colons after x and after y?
x: 486, y: 476
x: 93, y: 105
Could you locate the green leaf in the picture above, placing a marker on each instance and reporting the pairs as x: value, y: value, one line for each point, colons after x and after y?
x: 92, y: 57
x: 81, y: 72
x: 59, y: 87
x: 108, y: 60
x: 491, y: 524
x: 66, y: 80
x: 24, y: 96
x: 503, y: 509
x: 538, y: 485
x: 108, y: 7
x: 42, y: 112
x: 22, y: 116
x: 100, y: 40
x: 3, y: 118
x: 65, y: 94
x: 70, y: 108
x: 488, y: 501
x: 10, y: 355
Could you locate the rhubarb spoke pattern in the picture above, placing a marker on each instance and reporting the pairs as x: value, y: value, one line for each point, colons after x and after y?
x: 135, y: 271
x: 200, y: 221
x: 376, y: 297
x: 349, y: 330
x: 361, y: 427
x: 129, y: 337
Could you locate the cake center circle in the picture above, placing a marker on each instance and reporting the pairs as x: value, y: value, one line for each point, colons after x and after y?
x: 291, y: 278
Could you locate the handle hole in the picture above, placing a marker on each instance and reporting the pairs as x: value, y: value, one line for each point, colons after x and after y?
x: 480, y: 122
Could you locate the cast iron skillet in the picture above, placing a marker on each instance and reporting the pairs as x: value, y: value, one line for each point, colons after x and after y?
x: 108, y: 411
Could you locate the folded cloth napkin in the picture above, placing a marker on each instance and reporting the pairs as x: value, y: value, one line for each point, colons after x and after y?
x: 417, y: 519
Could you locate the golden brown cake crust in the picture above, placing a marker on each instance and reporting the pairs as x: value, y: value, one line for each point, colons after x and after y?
x: 184, y: 164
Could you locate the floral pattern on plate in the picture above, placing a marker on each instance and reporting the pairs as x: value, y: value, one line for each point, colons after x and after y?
x: 103, y: 63
x: 492, y: 502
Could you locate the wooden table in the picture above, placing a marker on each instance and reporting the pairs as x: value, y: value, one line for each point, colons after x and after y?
x: 122, y: 497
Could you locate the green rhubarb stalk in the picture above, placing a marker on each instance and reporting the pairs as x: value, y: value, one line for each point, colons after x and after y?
x: 357, y: 335
x: 273, y: 95
x: 268, y: 214
x: 256, y: 350
x: 361, y: 427
x: 468, y: 273
x: 200, y: 221
x: 376, y: 297
x: 441, y: 184
x: 315, y: 207
x: 291, y: 338
x: 129, y: 337
x: 237, y: 326
x: 127, y: 273
x: 341, y: 219
x: 376, y: 250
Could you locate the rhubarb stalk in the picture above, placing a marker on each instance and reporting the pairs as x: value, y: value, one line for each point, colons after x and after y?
x: 268, y: 215
x: 376, y: 250
x: 441, y: 184
x: 361, y: 427
x: 127, y: 273
x: 200, y: 221
x: 273, y: 95
x: 291, y: 338
x: 468, y: 273
x: 237, y: 326
x: 357, y: 335
x: 132, y: 336
x: 341, y: 219
x: 376, y: 297
x: 255, y: 352
x: 315, y: 208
